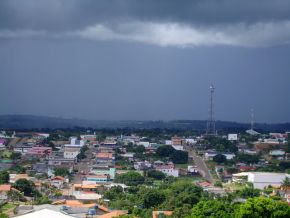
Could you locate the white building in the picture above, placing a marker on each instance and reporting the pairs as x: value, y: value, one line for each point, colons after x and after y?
x: 210, y: 155
x: 145, y: 144
x: 277, y: 152
x: 260, y: 180
x: 232, y: 137
x: 168, y: 170
x: 74, y: 142
x: 190, y: 141
x: 45, y: 213
x: 168, y: 142
x: 229, y: 156
x: 178, y: 147
x: 71, y: 152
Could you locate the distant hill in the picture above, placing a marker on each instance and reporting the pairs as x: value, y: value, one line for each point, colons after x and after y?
x: 41, y: 122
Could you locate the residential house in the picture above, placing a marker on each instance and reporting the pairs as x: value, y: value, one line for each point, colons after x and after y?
x: 142, y: 165
x: 86, y: 187
x: 233, y: 137
x: 14, y: 177
x: 277, y: 153
x: 97, y: 178
x: 167, y: 169
x: 2, y: 143
x: 104, y: 157
x: 177, y: 143
x: 58, y: 181
x: 104, y: 170
x: 39, y: 151
x: 4, y: 189
x: 114, y: 214
x: 109, y: 143
x: 71, y: 152
x: 22, y: 148
x: 62, y: 162
x: 74, y: 142
x: 145, y: 144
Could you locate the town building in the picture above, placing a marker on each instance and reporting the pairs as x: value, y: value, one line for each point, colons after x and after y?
x: 71, y: 152
x: 260, y: 180
x: 104, y: 170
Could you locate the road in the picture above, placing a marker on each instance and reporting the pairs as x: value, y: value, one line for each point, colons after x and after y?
x: 199, y: 162
x: 84, y: 166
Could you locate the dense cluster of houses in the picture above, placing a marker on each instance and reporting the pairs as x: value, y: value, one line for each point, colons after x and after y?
x: 91, y: 176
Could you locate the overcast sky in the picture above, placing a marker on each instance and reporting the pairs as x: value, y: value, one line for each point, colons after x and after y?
x: 145, y: 60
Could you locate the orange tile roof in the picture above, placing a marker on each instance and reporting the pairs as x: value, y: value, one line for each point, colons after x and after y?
x: 58, y: 178
x: 103, y: 208
x: 115, y: 213
x: 76, y: 203
x: 86, y: 186
x: 104, y: 155
x: 5, y: 187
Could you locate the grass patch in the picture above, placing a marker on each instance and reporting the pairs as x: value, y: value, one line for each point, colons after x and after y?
x: 234, y: 186
x: 6, y: 154
x: 181, y: 166
x: 7, y: 207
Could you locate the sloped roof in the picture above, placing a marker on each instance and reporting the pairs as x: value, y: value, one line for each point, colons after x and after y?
x: 115, y: 213
x: 45, y: 213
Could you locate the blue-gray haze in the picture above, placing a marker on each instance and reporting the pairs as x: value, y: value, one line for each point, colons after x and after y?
x: 145, y: 60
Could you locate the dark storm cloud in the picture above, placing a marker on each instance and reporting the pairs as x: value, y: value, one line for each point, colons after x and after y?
x: 75, y: 14
x: 164, y: 23
x: 91, y: 58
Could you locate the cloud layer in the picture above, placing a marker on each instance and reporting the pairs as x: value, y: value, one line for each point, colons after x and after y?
x: 163, y: 23
x: 181, y: 35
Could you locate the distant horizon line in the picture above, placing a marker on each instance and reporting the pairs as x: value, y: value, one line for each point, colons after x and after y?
x: 140, y: 120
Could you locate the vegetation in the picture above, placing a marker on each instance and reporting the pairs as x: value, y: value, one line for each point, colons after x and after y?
x: 82, y: 154
x: 220, y: 158
x: 25, y: 186
x: 248, y: 192
x: 61, y: 172
x: 247, y: 158
x: 222, y: 144
x: 4, y: 177
x: 155, y: 174
x: 167, y: 151
x: 130, y: 178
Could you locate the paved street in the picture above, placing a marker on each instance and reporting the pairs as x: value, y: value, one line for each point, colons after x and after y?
x: 199, y: 162
x: 84, y: 165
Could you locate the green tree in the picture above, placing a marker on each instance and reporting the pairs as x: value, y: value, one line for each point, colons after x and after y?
x: 18, y: 169
x: 247, y: 158
x: 261, y: 207
x: 25, y: 186
x: 139, y: 149
x: 220, y: 158
x: 212, y: 209
x: 61, y: 172
x: 286, y: 184
x: 179, y: 157
x: 156, y: 174
x: 152, y: 198
x: 42, y: 200
x: 165, y: 150
x: 16, y: 156
x: 4, y: 177
x: 3, y: 215
x: 248, y: 192
x: 130, y: 178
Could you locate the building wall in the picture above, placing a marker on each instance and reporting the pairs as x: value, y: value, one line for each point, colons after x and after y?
x: 169, y: 172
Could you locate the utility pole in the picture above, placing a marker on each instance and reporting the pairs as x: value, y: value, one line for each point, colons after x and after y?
x: 210, y: 130
x: 252, y: 119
